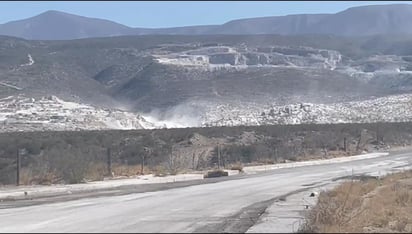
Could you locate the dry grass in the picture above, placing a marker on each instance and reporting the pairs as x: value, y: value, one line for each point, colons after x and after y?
x: 133, y: 170
x: 160, y: 171
x: 129, y: 170
x: 94, y: 172
x: 97, y: 171
x: 28, y: 177
x: 370, y: 206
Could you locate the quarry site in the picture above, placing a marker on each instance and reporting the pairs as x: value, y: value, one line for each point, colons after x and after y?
x: 293, y: 123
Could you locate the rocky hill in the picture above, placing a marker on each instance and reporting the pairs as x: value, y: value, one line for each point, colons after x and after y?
x: 182, y: 81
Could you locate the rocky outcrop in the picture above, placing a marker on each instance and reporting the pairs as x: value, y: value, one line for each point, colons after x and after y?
x: 253, y: 56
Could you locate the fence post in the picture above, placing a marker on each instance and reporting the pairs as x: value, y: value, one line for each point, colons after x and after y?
x: 218, y: 156
x: 193, y: 161
x: 345, y: 145
x: 142, y: 166
x: 377, y: 133
x: 109, y: 161
x: 18, y: 167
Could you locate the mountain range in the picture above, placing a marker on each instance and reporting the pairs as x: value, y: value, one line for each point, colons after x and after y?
x: 353, y: 22
x: 352, y: 66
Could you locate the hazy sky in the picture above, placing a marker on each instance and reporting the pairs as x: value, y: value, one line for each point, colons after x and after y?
x: 169, y: 14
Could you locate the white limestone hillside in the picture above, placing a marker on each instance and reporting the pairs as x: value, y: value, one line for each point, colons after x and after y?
x: 397, y: 108
x: 51, y: 113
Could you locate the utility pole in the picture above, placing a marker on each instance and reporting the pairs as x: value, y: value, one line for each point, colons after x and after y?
x: 18, y: 167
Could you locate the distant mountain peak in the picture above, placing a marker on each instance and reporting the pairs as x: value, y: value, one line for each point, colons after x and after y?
x: 354, y: 21
x: 53, y: 12
x: 381, y: 6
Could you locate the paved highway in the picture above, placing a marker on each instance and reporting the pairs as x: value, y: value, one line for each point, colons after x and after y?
x: 226, y: 206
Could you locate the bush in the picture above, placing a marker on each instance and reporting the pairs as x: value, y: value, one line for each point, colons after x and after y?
x: 71, y: 164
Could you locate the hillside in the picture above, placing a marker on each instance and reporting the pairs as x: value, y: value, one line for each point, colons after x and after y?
x: 175, y: 78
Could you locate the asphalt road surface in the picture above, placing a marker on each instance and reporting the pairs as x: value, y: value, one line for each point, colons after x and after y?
x: 233, y: 205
